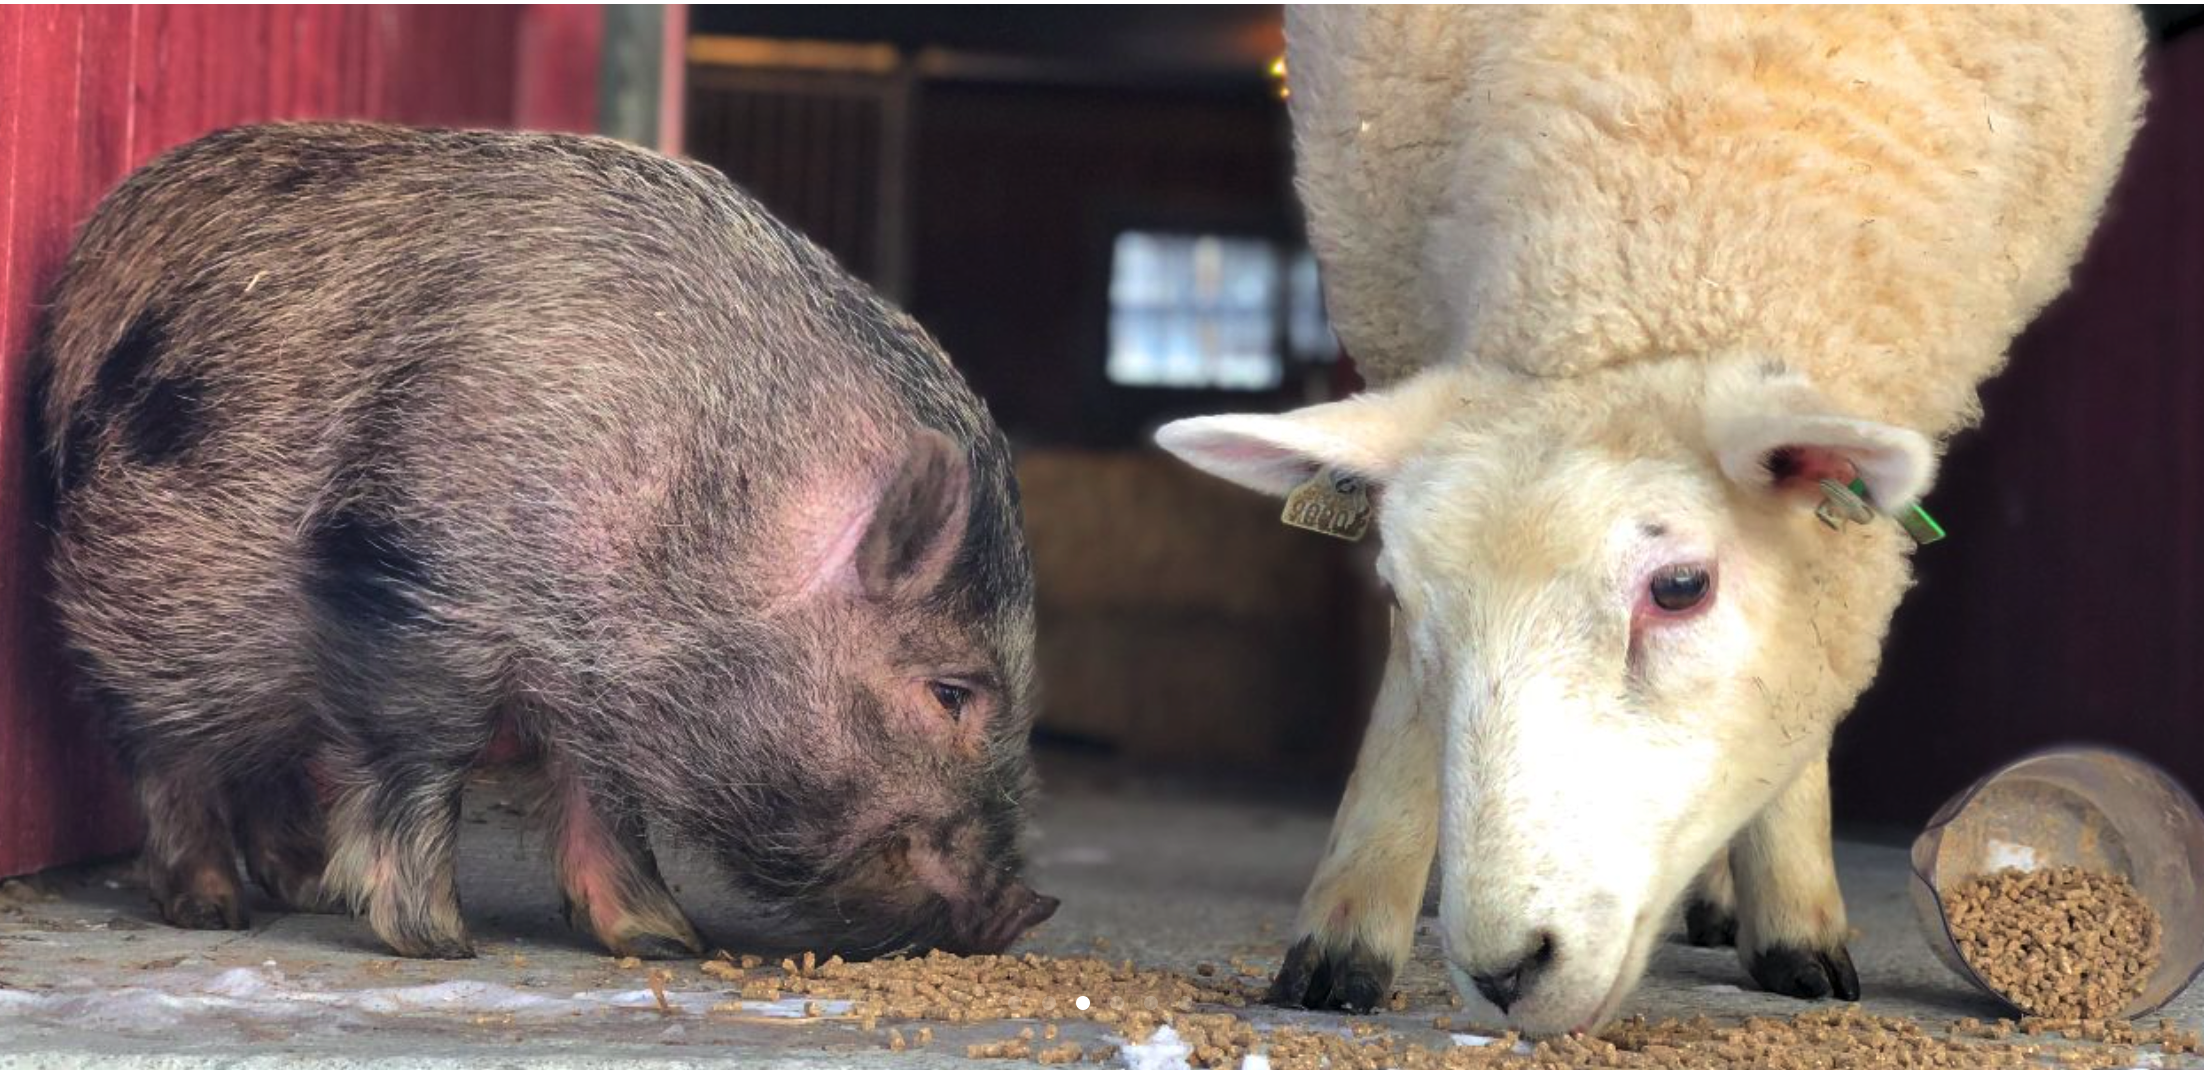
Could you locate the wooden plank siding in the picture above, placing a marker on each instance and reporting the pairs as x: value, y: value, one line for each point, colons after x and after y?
x: 86, y: 94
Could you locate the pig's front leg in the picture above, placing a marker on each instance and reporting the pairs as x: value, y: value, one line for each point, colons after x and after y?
x: 1791, y: 926
x: 393, y: 843
x: 609, y: 876
x: 1358, y: 918
x: 189, y: 866
x: 280, y: 827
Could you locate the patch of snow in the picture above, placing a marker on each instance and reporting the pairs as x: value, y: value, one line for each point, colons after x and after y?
x: 263, y: 992
x: 1478, y: 1040
x: 242, y: 983
x: 1163, y: 1050
x: 463, y: 997
x: 791, y: 1008
x: 124, y: 1010
x: 700, y: 1002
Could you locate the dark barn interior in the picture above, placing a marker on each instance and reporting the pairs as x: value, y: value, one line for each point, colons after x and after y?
x: 1093, y: 210
x: 980, y: 165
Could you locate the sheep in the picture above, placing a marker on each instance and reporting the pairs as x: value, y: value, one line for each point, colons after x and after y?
x: 1650, y: 301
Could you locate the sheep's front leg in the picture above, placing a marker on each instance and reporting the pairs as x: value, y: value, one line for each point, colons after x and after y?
x: 1790, y: 914
x: 1358, y: 918
x: 1710, y: 915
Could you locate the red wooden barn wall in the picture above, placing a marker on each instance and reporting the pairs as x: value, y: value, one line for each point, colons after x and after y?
x: 88, y: 93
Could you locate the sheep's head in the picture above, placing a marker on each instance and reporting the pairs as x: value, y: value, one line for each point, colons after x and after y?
x: 1614, y: 594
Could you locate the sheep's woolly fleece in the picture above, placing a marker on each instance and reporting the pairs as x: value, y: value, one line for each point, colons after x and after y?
x: 1880, y: 197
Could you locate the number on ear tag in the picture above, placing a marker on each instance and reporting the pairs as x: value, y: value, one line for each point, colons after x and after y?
x: 1330, y: 503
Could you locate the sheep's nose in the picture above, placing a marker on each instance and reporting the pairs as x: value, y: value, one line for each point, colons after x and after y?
x: 1509, y: 984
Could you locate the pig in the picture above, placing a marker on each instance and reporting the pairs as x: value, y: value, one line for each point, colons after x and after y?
x: 369, y: 446
x: 1629, y: 284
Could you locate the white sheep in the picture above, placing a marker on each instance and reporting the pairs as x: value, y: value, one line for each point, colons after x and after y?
x: 1631, y: 283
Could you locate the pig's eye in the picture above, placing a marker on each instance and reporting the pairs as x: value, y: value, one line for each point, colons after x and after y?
x: 951, y: 698
x: 1679, y: 588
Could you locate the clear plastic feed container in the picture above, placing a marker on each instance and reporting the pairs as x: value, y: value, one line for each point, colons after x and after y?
x: 2074, y: 806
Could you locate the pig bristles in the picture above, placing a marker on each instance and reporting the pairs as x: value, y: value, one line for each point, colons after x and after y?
x: 369, y: 447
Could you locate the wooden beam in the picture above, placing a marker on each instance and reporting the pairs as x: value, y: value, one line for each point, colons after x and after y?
x: 824, y: 56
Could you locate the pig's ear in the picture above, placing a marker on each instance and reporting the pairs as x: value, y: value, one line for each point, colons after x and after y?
x: 1368, y: 435
x: 1773, y: 431
x: 917, y: 525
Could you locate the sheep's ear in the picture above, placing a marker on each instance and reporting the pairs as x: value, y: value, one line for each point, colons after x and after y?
x: 1777, y: 433
x: 1368, y: 435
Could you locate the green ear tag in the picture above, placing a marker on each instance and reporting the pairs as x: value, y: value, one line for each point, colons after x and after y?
x: 1916, y: 520
x: 1923, y: 527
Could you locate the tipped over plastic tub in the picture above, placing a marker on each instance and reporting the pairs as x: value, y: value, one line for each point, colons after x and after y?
x: 2089, y: 807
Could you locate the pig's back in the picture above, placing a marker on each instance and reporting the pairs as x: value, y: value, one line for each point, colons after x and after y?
x: 527, y: 357
x: 311, y: 269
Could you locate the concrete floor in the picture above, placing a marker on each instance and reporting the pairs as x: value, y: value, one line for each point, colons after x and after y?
x: 1151, y: 870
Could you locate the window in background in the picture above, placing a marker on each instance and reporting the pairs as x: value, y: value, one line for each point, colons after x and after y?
x: 1211, y: 312
x: 1308, y: 333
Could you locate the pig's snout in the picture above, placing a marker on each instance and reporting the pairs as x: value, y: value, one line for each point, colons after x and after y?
x: 992, y: 930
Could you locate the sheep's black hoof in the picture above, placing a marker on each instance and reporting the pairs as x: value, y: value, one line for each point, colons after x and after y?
x: 1709, y: 924
x: 1804, y: 973
x: 1351, y: 979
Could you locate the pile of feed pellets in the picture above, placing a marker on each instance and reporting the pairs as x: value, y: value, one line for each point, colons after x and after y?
x: 2071, y: 947
x: 2058, y: 942
x: 949, y: 989
x: 900, y: 1000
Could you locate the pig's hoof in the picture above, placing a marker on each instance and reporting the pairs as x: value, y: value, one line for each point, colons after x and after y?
x: 299, y: 893
x: 1709, y: 924
x: 430, y: 944
x: 317, y: 901
x: 1323, y: 978
x: 446, y: 948
x: 659, y: 946
x: 1805, y: 973
x: 187, y: 911
x: 648, y: 934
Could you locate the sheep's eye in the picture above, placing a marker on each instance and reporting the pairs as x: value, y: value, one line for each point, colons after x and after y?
x: 1680, y: 587
x: 951, y: 698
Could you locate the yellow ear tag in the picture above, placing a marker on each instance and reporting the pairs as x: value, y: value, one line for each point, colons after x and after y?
x: 1330, y: 503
